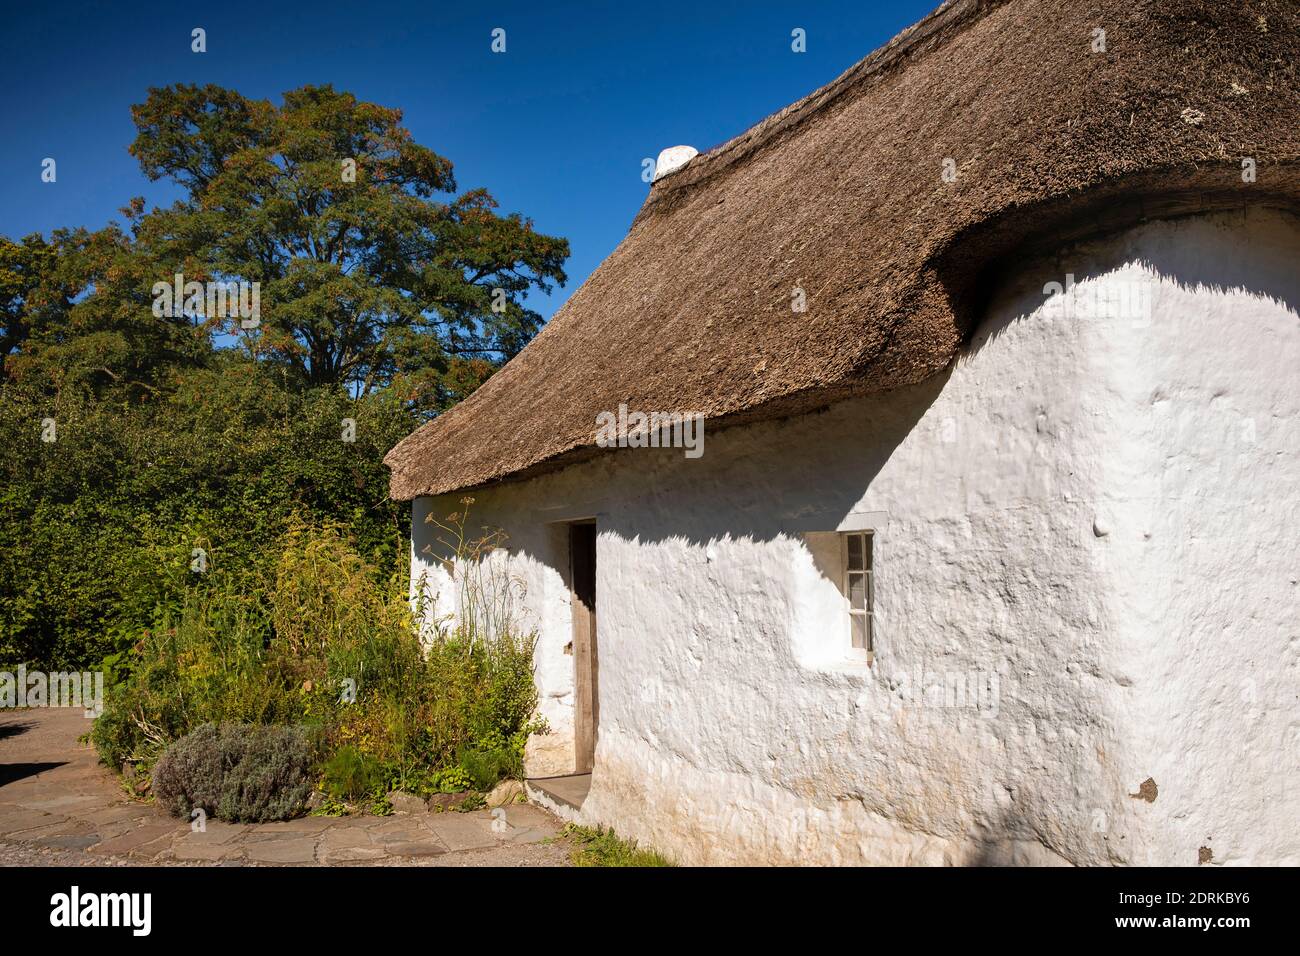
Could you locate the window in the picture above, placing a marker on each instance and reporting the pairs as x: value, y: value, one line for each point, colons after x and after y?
x: 860, y: 591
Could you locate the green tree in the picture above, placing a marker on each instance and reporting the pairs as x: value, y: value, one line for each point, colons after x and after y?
x: 377, y: 307
x: 97, y: 527
x: 368, y: 280
x: 24, y: 267
x: 78, y: 314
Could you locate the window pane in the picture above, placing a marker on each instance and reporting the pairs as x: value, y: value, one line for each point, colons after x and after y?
x: 870, y: 540
x: 855, y: 552
x: 859, y: 622
x: 857, y: 591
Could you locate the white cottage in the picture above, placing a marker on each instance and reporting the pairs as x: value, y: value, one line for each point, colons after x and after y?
x: 990, y: 552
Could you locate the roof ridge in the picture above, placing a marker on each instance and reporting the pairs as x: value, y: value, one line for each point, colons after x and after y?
x: 939, y: 24
x: 695, y: 308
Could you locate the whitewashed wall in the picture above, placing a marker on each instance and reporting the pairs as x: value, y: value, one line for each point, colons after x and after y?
x: 1089, y: 525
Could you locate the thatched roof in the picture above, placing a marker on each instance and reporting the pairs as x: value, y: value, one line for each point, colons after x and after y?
x: 841, y: 194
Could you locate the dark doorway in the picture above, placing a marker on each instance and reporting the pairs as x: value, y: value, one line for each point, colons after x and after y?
x: 586, y: 718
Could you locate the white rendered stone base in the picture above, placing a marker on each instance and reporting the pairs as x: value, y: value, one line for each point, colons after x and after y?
x: 1085, y: 579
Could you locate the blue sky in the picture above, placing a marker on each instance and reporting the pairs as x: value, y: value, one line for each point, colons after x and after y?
x: 556, y: 128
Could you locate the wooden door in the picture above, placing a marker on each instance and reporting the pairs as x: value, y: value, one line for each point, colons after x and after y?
x: 582, y: 548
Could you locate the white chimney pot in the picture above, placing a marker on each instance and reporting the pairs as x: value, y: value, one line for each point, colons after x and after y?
x: 672, y: 159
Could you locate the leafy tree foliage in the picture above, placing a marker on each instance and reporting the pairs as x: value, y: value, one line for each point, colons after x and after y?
x: 24, y: 268
x: 83, y: 316
x: 99, y: 527
x: 368, y: 279
x: 176, y: 432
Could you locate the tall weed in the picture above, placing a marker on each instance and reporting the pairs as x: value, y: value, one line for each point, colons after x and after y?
x: 321, y: 637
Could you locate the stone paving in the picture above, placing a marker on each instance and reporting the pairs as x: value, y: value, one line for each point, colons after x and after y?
x: 59, y: 805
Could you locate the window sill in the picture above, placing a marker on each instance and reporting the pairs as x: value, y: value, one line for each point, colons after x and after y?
x: 858, y: 655
x: 849, y: 662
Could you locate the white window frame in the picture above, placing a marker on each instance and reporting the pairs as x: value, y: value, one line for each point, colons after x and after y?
x: 868, y: 610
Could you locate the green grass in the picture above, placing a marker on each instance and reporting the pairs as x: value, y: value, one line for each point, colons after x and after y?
x: 601, y: 847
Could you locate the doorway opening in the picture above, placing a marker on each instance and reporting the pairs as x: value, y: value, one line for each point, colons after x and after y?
x: 586, y: 685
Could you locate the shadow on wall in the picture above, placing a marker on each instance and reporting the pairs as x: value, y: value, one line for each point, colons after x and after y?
x: 761, y: 482
x: 1201, y: 252
x: 1010, y: 841
x: 731, y: 493
x: 746, y: 486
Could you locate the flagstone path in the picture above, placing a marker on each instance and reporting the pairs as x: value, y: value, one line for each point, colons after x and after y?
x: 60, y: 806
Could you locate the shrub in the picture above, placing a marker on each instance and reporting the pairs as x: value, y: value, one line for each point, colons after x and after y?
x: 280, y: 645
x: 486, y: 768
x: 97, y: 528
x: 349, y: 774
x: 451, y: 780
x: 191, y: 773
x: 239, y: 773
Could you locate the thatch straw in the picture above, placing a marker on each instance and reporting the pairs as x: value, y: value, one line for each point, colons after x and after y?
x: 842, y: 195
